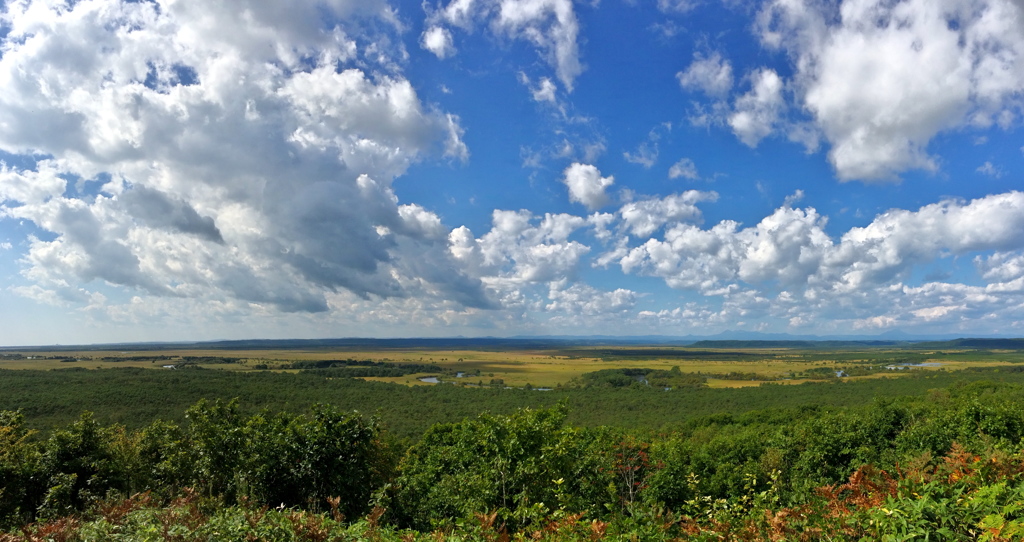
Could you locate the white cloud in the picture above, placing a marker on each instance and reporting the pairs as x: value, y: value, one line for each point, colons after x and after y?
x: 581, y: 299
x: 646, y: 153
x: 438, y: 40
x: 586, y: 185
x: 899, y: 239
x: 550, y: 25
x: 882, y: 79
x: 692, y: 316
x: 937, y: 313
x: 601, y: 223
x: 875, y: 322
x: 642, y: 218
x: 676, y: 6
x: 857, y: 279
x: 250, y: 159
x: 519, y: 250
x: 786, y: 268
x: 33, y: 187
x: 757, y: 112
x: 6, y: 246
x: 365, y: 120
x: 988, y: 169
x: 454, y: 146
x: 708, y: 115
x: 791, y: 249
x: 683, y: 168
x: 712, y: 75
x: 545, y: 91
x: 1001, y: 266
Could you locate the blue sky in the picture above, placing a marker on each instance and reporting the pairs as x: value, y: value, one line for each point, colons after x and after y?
x: 181, y: 170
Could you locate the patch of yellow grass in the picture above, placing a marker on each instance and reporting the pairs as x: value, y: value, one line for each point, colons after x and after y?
x: 539, y: 368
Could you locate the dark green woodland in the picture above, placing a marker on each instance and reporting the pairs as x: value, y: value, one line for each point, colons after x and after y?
x: 215, y: 455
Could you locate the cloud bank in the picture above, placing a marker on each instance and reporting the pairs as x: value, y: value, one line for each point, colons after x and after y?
x: 247, y: 159
x: 239, y: 161
x: 879, y: 81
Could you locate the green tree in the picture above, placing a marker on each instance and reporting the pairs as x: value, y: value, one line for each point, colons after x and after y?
x: 520, y: 466
x: 82, y: 465
x: 20, y: 484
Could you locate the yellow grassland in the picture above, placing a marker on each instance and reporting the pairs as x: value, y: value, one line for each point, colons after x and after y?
x: 539, y: 368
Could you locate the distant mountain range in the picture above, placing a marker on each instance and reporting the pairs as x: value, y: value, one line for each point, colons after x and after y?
x: 740, y: 335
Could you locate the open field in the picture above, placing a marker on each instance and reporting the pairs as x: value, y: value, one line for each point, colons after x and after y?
x: 599, y: 382
x: 548, y: 367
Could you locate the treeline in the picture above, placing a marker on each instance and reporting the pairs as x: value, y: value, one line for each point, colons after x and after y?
x: 352, y: 368
x: 640, y: 378
x: 948, y: 465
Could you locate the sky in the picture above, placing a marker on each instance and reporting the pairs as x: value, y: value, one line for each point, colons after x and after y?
x: 179, y: 170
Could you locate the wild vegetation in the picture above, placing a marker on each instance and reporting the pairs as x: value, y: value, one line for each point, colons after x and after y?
x: 169, y: 455
x: 136, y: 397
x: 948, y: 464
x: 542, y: 364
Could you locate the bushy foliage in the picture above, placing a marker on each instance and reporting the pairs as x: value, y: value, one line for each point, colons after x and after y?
x: 948, y: 463
x: 137, y: 397
x: 19, y: 471
x: 958, y: 497
x: 274, y: 459
x: 286, y: 459
x: 520, y: 467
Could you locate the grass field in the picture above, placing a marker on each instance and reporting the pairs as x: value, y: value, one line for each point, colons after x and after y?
x: 548, y: 367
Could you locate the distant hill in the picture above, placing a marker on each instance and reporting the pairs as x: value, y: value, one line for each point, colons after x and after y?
x: 986, y: 344
x: 730, y: 340
x: 794, y: 344
x: 981, y: 343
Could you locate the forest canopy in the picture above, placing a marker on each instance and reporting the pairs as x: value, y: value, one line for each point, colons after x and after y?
x: 799, y: 469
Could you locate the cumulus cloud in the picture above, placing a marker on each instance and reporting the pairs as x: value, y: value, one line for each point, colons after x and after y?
x: 757, y: 112
x: 32, y: 186
x: 1001, y: 266
x: 642, y: 218
x: 158, y: 210
x: 520, y: 249
x: 581, y: 299
x: 788, y: 266
x: 899, y: 239
x: 875, y: 322
x: 881, y: 79
x: 786, y: 245
x: 586, y: 185
x: 793, y: 198
x: 684, y: 168
x: 238, y: 159
x: 439, y: 41
x: 550, y: 25
x: 544, y: 91
x: 711, y: 75
x: 937, y: 313
x: 791, y: 252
